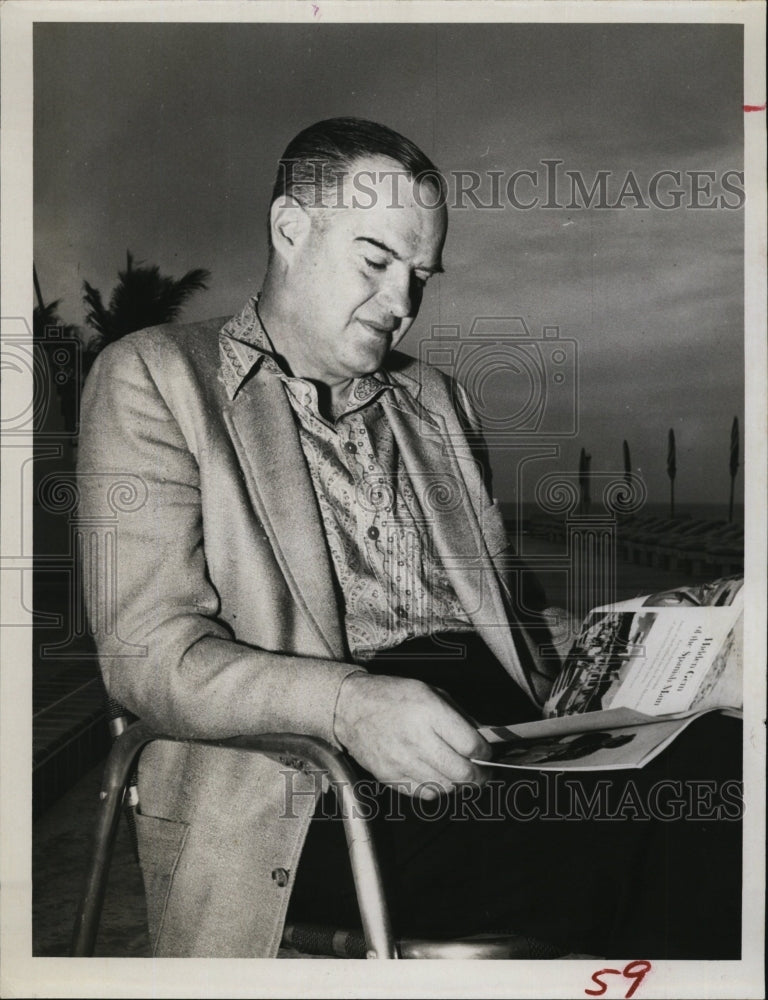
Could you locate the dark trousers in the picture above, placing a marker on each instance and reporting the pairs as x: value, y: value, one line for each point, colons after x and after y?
x: 641, y: 863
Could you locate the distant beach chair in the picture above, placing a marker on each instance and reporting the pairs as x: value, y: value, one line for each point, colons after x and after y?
x: 726, y: 556
x: 630, y: 527
x: 639, y: 542
x: 693, y: 555
x: 663, y: 551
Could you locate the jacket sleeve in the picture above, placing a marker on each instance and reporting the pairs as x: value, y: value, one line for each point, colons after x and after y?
x: 153, y: 611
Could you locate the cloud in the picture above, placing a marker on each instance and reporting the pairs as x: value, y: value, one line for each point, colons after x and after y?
x: 163, y: 139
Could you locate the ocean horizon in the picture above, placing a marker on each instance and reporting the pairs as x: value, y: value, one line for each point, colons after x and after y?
x: 529, y: 510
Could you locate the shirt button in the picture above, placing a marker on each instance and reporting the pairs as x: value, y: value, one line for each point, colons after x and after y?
x: 400, y: 611
x: 373, y: 532
x: 350, y: 447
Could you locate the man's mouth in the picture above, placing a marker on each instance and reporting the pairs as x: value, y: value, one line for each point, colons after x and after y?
x: 382, y: 329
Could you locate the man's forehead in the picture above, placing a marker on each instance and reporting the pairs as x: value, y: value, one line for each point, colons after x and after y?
x: 378, y: 181
x: 382, y: 203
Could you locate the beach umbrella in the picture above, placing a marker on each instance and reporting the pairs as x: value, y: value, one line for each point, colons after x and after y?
x: 584, y: 460
x: 627, y: 469
x: 734, y: 462
x: 671, y: 470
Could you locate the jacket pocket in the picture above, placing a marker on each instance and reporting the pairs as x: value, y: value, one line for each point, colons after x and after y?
x: 161, y: 842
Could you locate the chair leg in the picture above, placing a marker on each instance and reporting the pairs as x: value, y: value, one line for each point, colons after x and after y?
x: 116, y: 774
x: 369, y: 885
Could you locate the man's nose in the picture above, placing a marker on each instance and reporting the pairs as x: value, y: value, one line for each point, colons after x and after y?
x: 396, y: 295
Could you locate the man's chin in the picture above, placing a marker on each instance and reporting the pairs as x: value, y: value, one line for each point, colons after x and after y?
x: 360, y: 370
x: 369, y: 358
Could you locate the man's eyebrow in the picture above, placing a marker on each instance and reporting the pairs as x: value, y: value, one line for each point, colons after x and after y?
x: 437, y: 269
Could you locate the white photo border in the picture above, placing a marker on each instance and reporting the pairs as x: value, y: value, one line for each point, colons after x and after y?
x: 23, y: 975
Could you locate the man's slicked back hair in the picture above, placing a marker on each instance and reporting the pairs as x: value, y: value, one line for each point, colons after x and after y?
x: 311, y: 168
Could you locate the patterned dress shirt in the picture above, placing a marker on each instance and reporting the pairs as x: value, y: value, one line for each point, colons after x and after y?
x: 391, y: 587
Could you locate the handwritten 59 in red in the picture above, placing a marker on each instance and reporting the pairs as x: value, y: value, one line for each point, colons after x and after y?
x: 636, y: 971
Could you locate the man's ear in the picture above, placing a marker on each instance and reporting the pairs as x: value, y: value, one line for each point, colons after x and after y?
x: 289, y: 224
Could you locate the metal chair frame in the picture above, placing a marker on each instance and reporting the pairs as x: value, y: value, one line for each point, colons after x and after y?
x: 299, y: 752
x: 292, y: 750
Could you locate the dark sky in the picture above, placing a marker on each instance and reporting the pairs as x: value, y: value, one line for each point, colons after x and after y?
x: 163, y: 138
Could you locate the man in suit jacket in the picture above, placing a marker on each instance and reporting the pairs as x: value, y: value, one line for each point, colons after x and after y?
x: 308, y: 503
x: 229, y: 618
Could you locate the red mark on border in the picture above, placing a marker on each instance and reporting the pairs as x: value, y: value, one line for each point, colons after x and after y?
x: 635, y: 971
x: 754, y: 107
x: 315, y: 9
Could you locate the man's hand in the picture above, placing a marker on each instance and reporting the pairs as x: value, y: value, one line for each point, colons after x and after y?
x: 405, y: 734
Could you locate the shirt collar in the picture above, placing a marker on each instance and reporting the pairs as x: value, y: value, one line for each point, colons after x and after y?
x: 245, y: 346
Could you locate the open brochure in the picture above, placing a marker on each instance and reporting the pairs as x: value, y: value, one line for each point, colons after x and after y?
x: 637, y: 674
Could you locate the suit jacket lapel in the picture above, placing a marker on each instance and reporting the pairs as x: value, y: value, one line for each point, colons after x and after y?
x: 264, y: 433
x: 444, y: 482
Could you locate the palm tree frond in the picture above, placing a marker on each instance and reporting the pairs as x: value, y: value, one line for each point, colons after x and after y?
x: 141, y: 298
x: 44, y: 318
x: 96, y: 316
x: 175, y: 293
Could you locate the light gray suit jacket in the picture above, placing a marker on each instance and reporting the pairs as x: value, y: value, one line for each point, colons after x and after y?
x: 222, y: 618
